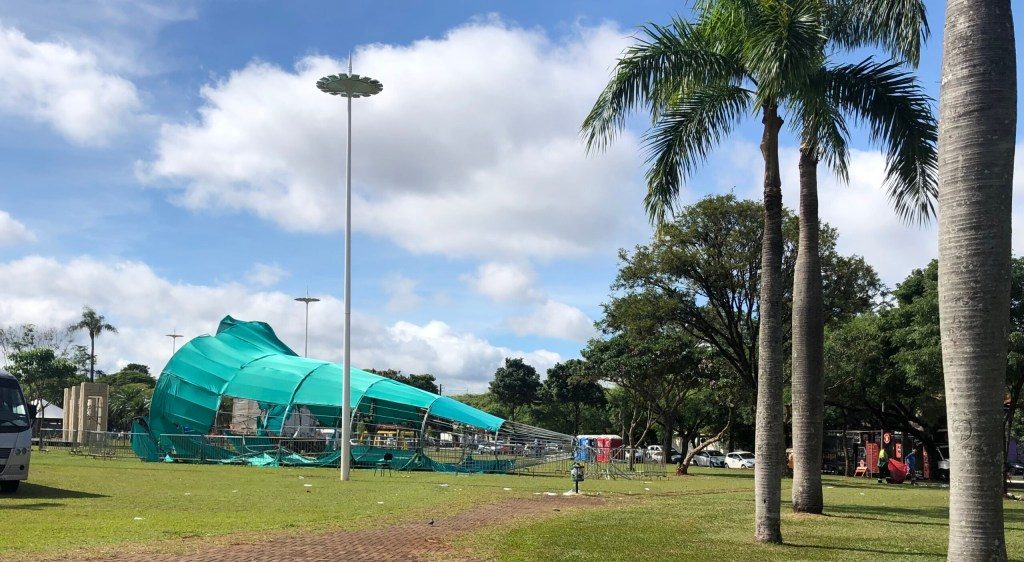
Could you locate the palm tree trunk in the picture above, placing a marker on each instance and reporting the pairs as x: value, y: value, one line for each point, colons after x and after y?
x: 92, y: 358
x: 977, y: 120
x: 769, y: 441
x: 808, y: 347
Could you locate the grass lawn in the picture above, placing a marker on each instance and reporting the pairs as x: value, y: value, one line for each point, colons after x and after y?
x: 75, y: 503
x: 692, y: 521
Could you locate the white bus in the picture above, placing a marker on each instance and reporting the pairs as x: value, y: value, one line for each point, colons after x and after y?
x: 15, y: 434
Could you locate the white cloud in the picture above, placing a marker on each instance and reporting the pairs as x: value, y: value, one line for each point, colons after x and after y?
x: 554, y: 319
x: 401, y: 292
x: 144, y: 307
x: 861, y: 210
x: 440, y: 349
x: 266, y: 275
x: 66, y: 88
x: 12, y: 231
x: 122, y: 35
x: 472, y: 149
x: 505, y: 282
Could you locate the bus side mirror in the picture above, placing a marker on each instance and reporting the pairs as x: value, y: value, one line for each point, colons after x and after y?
x: 32, y: 411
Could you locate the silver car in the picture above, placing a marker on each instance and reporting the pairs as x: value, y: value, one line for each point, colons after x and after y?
x: 712, y: 459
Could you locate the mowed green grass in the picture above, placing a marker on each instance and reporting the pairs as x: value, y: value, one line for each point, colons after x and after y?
x: 864, y: 521
x: 75, y: 503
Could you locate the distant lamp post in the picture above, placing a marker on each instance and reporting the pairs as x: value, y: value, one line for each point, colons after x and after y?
x: 348, y: 86
x: 307, y: 299
x: 174, y: 335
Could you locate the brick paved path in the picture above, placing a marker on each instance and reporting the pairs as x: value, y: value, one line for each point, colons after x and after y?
x: 409, y: 541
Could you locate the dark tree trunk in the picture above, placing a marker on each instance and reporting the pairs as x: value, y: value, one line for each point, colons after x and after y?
x: 977, y: 129
x: 667, y: 439
x: 92, y: 358
x: 808, y: 347
x: 769, y: 447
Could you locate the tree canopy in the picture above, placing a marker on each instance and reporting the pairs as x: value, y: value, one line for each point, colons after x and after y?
x: 515, y: 385
x: 701, y: 272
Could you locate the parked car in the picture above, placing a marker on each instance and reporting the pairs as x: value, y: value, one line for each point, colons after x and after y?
x: 740, y: 459
x: 712, y: 459
x: 655, y: 453
x: 1015, y: 468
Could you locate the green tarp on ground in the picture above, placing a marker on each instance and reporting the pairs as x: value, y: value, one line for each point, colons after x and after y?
x: 246, y: 360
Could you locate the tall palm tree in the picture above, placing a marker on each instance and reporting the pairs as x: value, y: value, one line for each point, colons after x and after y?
x: 94, y: 324
x: 900, y: 118
x: 698, y: 81
x: 978, y: 117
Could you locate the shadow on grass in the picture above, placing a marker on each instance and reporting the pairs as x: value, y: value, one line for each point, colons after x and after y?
x: 891, y: 513
x: 38, y: 491
x: 938, y: 555
x: 32, y: 506
x: 904, y: 516
x: 724, y: 473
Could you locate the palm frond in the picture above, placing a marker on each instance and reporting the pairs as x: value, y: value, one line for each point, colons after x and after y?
x: 898, y: 26
x: 822, y: 125
x: 900, y: 118
x: 693, y: 123
x: 664, y: 60
x: 784, y: 46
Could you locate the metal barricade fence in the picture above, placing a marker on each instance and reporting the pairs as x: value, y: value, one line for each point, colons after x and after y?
x: 603, y: 462
x: 598, y: 462
x: 100, y: 444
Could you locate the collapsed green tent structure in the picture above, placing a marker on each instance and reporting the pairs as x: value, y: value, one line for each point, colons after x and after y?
x: 243, y: 396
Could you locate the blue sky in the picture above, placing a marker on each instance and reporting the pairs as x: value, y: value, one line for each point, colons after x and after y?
x: 171, y: 163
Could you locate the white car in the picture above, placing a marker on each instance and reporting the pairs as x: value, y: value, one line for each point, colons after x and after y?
x: 655, y: 453
x: 740, y: 459
x: 707, y: 458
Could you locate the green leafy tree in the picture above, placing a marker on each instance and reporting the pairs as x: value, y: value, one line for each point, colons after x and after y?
x: 570, y: 389
x: 43, y: 374
x: 662, y: 369
x: 127, y: 402
x: 94, y: 324
x: 631, y: 416
x: 29, y: 336
x: 886, y: 368
x: 515, y: 385
x: 423, y: 382
x: 701, y: 272
x: 133, y: 373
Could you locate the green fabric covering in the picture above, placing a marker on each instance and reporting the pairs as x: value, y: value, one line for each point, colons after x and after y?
x: 246, y: 360
x: 144, y: 445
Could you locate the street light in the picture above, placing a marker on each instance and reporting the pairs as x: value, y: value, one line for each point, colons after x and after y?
x: 307, y: 299
x: 174, y: 335
x: 348, y: 86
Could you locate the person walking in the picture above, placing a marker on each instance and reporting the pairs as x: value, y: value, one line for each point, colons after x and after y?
x: 911, y: 461
x: 883, y: 465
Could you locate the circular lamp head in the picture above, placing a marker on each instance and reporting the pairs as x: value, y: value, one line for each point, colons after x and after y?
x: 349, y: 85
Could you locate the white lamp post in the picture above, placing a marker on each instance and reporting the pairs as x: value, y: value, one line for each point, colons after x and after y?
x: 348, y: 86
